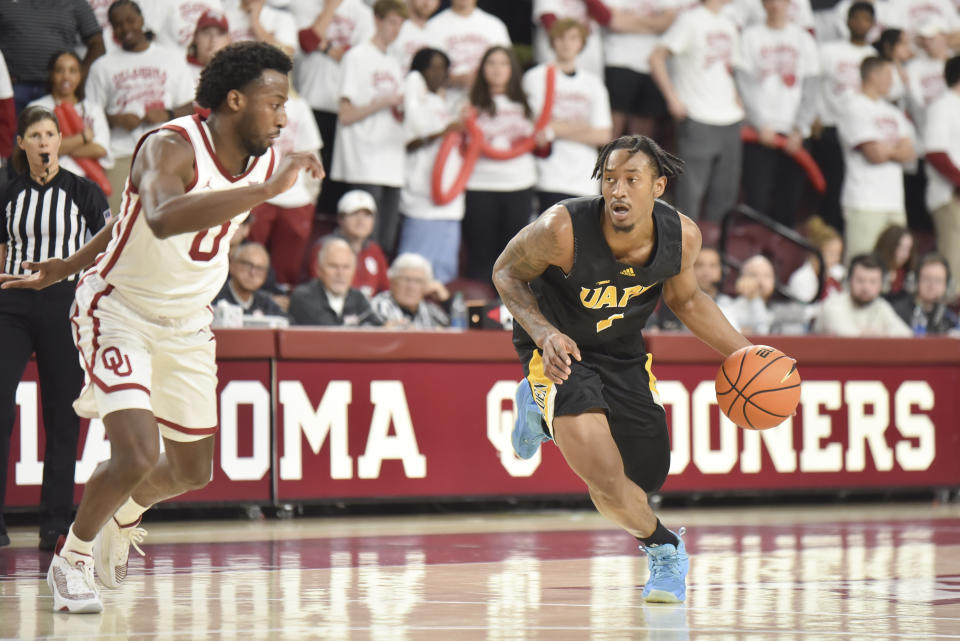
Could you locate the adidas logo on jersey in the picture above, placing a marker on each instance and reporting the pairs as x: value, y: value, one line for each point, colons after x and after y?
x: 627, y: 272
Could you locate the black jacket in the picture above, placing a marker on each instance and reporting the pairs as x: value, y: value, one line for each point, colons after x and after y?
x: 309, y: 306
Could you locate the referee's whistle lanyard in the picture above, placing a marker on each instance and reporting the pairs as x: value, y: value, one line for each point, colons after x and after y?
x: 477, y: 145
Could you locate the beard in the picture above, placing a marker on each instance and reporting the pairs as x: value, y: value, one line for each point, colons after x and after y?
x: 860, y: 302
x: 624, y: 229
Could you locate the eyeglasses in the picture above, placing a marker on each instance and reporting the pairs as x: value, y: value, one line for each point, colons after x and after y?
x: 411, y: 279
x: 256, y: 269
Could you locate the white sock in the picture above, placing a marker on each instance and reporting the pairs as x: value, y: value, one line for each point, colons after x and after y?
x: 129, y: 513
x: 74, y: 545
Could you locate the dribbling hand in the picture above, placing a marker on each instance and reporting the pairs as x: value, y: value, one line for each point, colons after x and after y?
x: 557, y: 350
x: 45, y: 273
x: 290, y: 167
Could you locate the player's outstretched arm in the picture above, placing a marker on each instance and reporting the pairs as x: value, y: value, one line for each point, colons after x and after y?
x: 163, y: 169
x: 692, y: 306
x: 544, y: 242
x: 53, y: 270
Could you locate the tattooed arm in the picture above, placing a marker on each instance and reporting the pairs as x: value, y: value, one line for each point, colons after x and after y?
x: 544, y: 242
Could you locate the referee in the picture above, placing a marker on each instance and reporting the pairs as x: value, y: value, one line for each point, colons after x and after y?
x: 46, y: 212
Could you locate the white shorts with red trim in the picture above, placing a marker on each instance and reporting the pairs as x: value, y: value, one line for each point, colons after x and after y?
x: 132, y: 361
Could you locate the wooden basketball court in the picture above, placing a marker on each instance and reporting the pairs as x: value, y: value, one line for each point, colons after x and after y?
x: 838, y: 572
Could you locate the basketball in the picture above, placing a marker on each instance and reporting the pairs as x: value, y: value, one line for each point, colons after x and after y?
x: 758, y: 387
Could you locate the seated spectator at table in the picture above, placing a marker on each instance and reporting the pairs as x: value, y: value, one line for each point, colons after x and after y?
x: 356, y: 213
x: 329, y: 299
x: 405, y: 305
x: 249, y: 264
x: 750, y: 311
x: 897, y: 252
x: 708, y: 270
x: 805, y: 280
x: 926, y: 312
x: 859, y: 310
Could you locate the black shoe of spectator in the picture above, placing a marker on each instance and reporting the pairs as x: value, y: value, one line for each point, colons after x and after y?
x: 48, y: 539
x: 4, y: 539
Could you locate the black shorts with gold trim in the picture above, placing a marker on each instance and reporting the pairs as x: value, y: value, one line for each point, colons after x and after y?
x: 625, y: 389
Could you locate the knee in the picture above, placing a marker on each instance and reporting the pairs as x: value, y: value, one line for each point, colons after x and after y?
x: 608, y: 488
x: 193, y: 477
x: 134, y: 466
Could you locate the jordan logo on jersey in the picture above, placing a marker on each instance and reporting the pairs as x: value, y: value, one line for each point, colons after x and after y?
x: 609, y: 296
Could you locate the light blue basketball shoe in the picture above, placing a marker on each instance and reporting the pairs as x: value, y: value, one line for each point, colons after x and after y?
x: 669, y: 565
x: 528, y: 432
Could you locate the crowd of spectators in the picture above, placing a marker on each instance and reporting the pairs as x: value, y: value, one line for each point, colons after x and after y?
x: 740, y: 89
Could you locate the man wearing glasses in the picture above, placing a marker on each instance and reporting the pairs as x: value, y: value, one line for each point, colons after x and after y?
x: 249, y: 264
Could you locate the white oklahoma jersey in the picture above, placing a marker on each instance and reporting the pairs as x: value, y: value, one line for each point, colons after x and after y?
x: 141, y: 321
x: 180, y: 275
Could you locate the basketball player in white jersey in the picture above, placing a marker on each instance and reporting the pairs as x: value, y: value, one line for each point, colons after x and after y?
x: 142, y: 316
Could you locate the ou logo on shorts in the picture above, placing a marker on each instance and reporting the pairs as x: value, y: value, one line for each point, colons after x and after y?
x: 116, y: 362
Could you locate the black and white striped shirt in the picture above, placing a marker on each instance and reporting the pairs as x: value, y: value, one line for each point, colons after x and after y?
x: 38, y: 222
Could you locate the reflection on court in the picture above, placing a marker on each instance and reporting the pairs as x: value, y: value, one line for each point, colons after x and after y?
x: 890, y: 572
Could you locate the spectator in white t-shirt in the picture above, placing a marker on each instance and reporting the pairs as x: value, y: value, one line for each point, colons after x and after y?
x: 894, y: 46
x: 840, y: 78
x: 370, y: 128
x: 139, y: 86
x: 778, y: 80
x: 256, y: 20
x: 593, y: 14
x: 925, y: 71
x: 941, y: 141
x: 579, y: 120
x: 94, y: 140
x: 413, y: 34
x: 750, y: 12
x: 173, y: 22
x: 429, y: 229
x: 500, y: 195
x: 284, y: 222
x: 913, y: 14
x: 877, y: 143
x: 837, y: 27
x: 860, y: 310
x: 211, y: 35
x: 636, y: 100
x: 704, y: 46
x: 327, y: 30
x: 465, y: 33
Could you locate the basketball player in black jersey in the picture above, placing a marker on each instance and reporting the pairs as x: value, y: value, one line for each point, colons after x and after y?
x: 581, y: 281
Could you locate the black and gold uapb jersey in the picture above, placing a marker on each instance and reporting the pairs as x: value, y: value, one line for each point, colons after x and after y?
x: 602, y: 304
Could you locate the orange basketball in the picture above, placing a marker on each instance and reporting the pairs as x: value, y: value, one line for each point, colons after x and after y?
x: 758, y: 387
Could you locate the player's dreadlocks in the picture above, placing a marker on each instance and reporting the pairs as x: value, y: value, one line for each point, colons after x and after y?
x: 234, y: 67
x: 665, y: 163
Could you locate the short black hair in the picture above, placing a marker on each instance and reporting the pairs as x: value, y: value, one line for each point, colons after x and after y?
x: 236, y: 66
x: 866, y: 261
x: 665, y: 163
x: 422, y: 59
x: 951, y: 71
x: 866, y: 7
x: 119, y: 3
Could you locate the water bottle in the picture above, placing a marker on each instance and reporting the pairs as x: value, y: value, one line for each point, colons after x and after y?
x: 919, y: 321
x: 458, y: 312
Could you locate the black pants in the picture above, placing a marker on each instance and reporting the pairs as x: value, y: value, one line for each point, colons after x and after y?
x: 827, y: 152
x: 547, y: 199
x: 772, y: 182
x: 38, y: 321
x: 490, y: 220
x: 330, y: 190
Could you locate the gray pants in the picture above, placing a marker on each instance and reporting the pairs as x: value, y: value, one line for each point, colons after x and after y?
x: 710, y: 184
